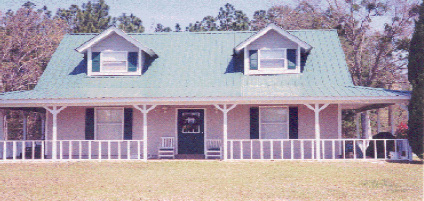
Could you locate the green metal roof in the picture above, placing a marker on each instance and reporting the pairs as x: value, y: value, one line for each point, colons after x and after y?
x: 199, y: 65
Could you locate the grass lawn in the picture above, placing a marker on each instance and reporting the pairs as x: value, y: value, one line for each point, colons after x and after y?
x: 211, y: 180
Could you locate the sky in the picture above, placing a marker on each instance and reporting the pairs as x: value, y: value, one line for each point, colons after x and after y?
x: 151, y: 12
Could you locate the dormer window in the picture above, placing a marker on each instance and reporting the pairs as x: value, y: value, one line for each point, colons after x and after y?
x: 273, y: 61
x: 272, y: 51
x: 114, y: 63
x: 113, y: 52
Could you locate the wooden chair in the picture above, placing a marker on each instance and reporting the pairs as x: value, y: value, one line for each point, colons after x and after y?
x: 213, y: 149
x: 167, y: 148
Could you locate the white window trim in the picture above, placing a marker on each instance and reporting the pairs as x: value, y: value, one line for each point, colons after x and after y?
x: 108, y: 108
x: 140, y: 62
x: 102, y: 61
x: 288, y: 120
x: 265, y: 71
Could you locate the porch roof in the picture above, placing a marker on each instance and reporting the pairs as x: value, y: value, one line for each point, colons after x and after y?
x: 201, y: 65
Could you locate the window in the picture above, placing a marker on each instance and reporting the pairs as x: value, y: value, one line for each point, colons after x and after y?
x: 113, y: 62
x: 272, y: 61
x: 274, y: 122
x: 109, y: 123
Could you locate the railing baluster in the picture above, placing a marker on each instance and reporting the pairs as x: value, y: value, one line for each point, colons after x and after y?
x: 128, y: 150
x: 251, y: 149
x: 344, y: 149
x: 291, y: 149
x: 354, y: 148
x: 100, y: 151
x: 119, y: 150
x: 70, y: 149
x: 385, y: 149
x: 42, y: 150
x: 108, y: 149
x: 262, y: 148
x: 375, y: 149
x: 138, y: 149
x: 323, y: 149
x: 33, y: 150
x: 89, y: 149
x: 313, y: 149
x: 14, y: 150
x: 4, y: 150
x: 241, y: 149
x: 364, y: 152
x: 272, y: 149
x: 302, y: 149
x: 232, y: 149
x: 23, y: 149
x: 282, y: 148
x: 333, y: 145
x: 60, y: 150
x: 395, y: 142
x: 79, y: 149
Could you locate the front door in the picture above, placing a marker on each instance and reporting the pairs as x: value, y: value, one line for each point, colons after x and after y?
x: 191, y: 131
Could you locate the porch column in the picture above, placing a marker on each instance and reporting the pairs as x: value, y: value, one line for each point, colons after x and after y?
x: 224, y: 109
x: 144, y: 110
x: 54, y: 111
x: 317, y: 109
x: 339, y: 124
x: 391, y: 119
x: 378, y: 121
x: 24, y: 125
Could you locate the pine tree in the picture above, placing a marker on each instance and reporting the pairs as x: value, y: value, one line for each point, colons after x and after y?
x: 416, y: 78
x: 129, y: 24
x: 93, y: 18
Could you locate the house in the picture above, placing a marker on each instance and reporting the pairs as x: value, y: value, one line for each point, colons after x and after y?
x: 271, y: 94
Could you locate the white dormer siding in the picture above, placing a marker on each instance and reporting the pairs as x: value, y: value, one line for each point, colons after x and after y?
x: 267, y: 47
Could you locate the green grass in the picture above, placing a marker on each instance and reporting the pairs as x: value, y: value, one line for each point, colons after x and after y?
x: 211, y: 180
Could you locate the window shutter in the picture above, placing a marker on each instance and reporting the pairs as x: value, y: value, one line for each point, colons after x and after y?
x: 293, y: 123
x: 291, y: 58
x: 254, y: 123
x: 132, y: 61
x: 95, y: 62
x: 253, y: 56
x: 89, y: 124
x: 128, y: 118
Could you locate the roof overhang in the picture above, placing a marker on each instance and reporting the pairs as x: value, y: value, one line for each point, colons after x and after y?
x: 279, y: 30
x: 110, y: 31
x: 359, y: 101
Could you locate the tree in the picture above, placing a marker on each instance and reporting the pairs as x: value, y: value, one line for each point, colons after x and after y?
x: 161, y: 28
x: 177, y: 27
x: 27, y: 41
x: 129, y: 24
x: 416, y: 78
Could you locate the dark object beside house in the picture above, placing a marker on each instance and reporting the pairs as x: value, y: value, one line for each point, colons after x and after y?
x: 390, y: 145
x: 37, y: 152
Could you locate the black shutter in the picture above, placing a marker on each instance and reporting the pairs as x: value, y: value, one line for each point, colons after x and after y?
x: 253, y: 56
x: 128, y: 118
x: 132, y: 61
x: 95, y: 62
x: 292, y: 58
x: 89, y: 124
x: 293, y: 123
x: 254, y: 123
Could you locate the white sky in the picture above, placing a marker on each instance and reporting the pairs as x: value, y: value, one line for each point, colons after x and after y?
x: 167, y: 12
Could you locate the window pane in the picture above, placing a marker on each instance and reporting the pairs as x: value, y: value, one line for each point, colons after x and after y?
x: 109, y: 132
x: 119, y: 66
x: 274, y: 115
x: 109, y: 116
x: 272, y: 54
x: 274, y: 131
x: 274, y: 63
x: 114, y: 56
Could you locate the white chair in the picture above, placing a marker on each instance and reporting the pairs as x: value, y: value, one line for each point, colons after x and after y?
x: 167, y: 148
x: 213, y: 149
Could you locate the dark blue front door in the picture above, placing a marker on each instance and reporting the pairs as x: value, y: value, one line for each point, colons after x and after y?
x: 191, y: 131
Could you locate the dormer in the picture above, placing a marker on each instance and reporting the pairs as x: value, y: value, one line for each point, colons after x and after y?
x: 113, y: 52
x: 272, y: 51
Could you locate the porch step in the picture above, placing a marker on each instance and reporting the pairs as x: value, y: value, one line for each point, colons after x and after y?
x: 189, y: 156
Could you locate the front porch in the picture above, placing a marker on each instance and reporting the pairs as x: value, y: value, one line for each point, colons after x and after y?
x: 239, y: 132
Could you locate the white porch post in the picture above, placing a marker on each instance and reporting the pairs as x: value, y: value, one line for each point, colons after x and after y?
x: 317, y: 109
x: 144, y: 110
x: 357, y: 120
x: 340, y: 123
x: 378, y: 121
x: 392, y: 123
x: 225, y: 111
x: 55, y: 111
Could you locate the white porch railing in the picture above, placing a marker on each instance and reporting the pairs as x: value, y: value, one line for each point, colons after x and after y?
x: 292, y: 149
x: 71, y: 149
